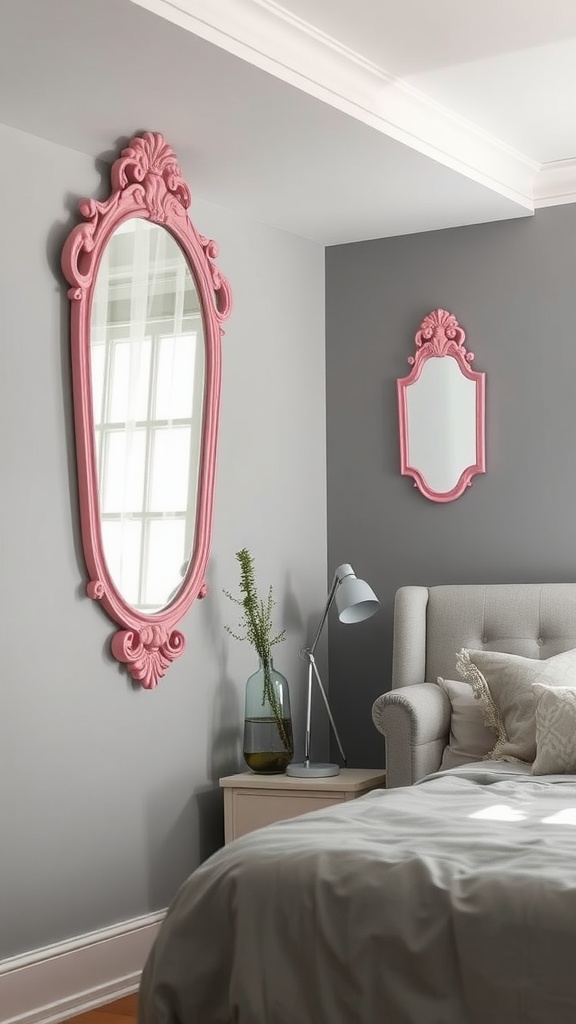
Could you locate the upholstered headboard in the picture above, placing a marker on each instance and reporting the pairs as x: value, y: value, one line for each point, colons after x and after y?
x: 431, y: 624
x: 535, y: 620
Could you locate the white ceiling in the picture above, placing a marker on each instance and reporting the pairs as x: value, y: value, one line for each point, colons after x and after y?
x: 337, y: 120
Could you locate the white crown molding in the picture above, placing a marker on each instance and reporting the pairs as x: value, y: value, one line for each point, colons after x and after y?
x: 58, y: 981
x: 556, y: 184
x: 264, y: 34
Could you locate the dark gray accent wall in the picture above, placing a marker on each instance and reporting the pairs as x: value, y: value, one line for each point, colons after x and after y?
x: 512, y: 286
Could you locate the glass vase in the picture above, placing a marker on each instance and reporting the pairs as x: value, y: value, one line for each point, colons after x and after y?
x: 268, y: 742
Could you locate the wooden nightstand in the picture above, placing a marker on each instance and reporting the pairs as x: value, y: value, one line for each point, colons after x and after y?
x: 252, y: 801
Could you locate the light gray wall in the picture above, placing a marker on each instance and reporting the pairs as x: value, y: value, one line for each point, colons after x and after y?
x: 109, y: 794
x: 512, y: 287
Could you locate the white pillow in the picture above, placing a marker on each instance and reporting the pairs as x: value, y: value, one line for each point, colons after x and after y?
x: 555, y: 729
x: 470, y: 738
x: 503, y: 685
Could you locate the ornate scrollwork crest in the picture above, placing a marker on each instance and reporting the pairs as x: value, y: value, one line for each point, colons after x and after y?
x: 150, y: 163
x: 146, y: 181
x: 440, y: 334
x: 148, y: 652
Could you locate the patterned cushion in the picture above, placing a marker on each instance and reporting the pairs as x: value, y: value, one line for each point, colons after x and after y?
x: 503, y: 684
x: 555, y: 729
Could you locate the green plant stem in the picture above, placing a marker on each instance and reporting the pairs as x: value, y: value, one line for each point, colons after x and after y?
x: 269, y: 694
x: 257, y: 626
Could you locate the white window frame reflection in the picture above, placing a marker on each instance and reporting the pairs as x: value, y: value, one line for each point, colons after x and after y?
x: 141, y: 501
x: 158, y: 382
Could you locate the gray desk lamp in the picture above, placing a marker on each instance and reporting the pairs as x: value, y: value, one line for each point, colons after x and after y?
x: 355, y: 601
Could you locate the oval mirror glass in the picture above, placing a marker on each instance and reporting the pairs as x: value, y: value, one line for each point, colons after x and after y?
x: 148, y: 368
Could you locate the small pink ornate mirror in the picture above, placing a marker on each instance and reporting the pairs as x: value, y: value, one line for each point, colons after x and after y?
x: 147, y: 306
x: 442, y: 411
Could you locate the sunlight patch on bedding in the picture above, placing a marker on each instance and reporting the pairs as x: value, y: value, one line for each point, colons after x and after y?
x: 564, y: 817
x: 499, y: 812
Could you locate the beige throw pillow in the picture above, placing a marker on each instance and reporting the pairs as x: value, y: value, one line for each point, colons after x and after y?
x: 555, y: 729
x: 502, y: 683
x: 470, y: 739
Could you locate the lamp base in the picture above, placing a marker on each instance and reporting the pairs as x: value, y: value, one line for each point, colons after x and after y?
x: 312, y: 771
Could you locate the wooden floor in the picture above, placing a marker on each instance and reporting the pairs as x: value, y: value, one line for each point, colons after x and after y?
x: 122, y: 1011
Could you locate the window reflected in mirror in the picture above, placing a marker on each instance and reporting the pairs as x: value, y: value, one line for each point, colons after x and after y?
x: 147, y: 360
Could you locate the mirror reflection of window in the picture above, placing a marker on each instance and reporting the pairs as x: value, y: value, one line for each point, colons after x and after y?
x: 147, y: 360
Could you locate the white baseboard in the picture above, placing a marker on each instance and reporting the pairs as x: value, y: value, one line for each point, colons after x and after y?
x: 50, y: 984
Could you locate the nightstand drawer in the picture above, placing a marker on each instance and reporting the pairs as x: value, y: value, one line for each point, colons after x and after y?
x: 254, y: 810
x: 252, y: 801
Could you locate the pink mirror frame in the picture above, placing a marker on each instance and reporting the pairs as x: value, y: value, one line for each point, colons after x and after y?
x: 440, y: 335
x: 146, y: 183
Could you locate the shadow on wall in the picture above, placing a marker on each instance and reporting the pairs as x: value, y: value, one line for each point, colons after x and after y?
x: 181, y: 837
x: 173, y: 842
x: 185, y: 829
x: 210, y: 811
x: 225, y: 749
x: 225, y: 755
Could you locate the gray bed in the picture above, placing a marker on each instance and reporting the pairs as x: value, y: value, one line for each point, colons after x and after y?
x: 451, y: 900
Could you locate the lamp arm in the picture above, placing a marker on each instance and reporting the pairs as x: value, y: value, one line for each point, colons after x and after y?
x: 308, y: 654
x: 325, y: 698
x: 310, y: 650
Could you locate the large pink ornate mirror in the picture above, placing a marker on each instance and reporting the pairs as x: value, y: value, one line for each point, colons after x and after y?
x: 441, y: 410
x: 147, y: 306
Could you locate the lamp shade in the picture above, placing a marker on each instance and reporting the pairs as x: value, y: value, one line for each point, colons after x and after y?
x: 355, y: 599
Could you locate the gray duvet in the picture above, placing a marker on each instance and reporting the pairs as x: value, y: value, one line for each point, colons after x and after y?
x: 449, y: 902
